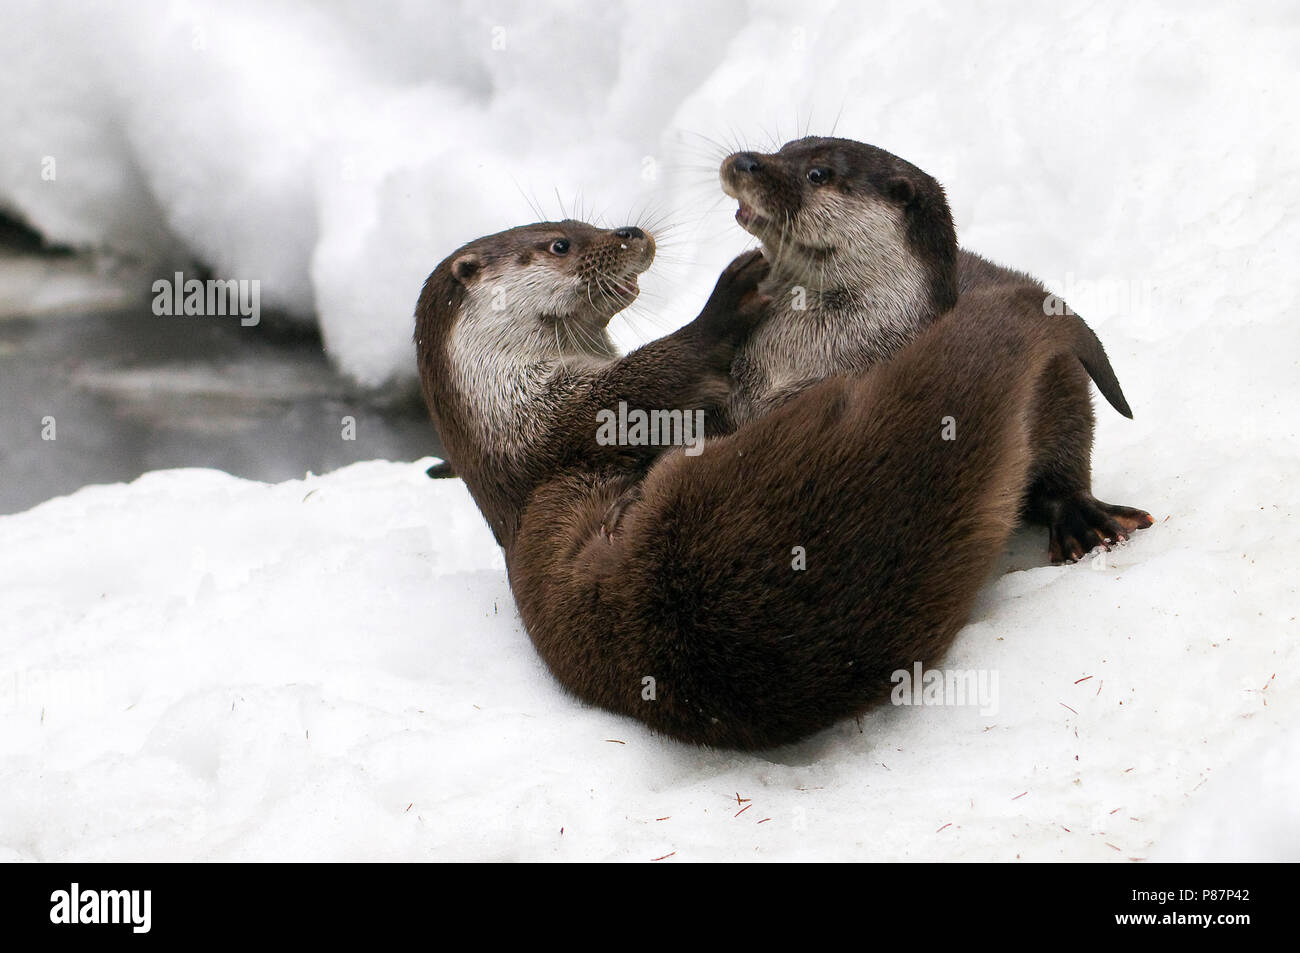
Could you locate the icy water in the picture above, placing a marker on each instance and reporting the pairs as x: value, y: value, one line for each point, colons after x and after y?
x: 105, y: 391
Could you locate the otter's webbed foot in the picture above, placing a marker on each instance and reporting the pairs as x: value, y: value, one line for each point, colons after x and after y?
x: 1081, y: 523
x: 609, y: 522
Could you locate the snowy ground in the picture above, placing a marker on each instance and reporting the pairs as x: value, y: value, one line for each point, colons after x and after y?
x: 211, y: 668
x: 196, y: 666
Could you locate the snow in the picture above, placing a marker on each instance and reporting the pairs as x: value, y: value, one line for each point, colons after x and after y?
x: 336, y: 155
x: 205, y: 667
x: 193, y: 666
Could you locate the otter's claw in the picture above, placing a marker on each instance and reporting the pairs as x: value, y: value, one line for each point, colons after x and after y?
x: 1082, y: 523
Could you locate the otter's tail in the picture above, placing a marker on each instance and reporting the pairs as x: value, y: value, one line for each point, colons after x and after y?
x: 1092, y: 356
x: 999, y: 309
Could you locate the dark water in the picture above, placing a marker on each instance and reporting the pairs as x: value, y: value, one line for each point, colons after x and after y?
x: 130, y: 391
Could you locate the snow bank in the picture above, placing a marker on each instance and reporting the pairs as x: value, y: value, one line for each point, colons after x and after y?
x: 337, y: 153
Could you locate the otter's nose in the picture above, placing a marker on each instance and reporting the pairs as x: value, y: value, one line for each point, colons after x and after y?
x: 628, y: 231
x: 744, y: 162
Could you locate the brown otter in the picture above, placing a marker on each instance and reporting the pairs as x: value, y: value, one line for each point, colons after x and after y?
x: 515, y: 361
x: 864, y: 255
x: 770, y: 585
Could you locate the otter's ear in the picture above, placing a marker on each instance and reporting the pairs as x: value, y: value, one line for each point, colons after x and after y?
x: 467, y: 268
x: 901, y: 190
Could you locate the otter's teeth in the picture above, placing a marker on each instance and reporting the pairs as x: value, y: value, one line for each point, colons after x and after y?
x: 626, y: 286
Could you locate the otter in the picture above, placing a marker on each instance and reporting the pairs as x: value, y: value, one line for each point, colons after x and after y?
x: 515, y: 360
x: 864, y: 256
x: 768, y: 586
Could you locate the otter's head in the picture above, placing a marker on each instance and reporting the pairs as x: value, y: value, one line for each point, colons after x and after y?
x: 568, y: 274
x: 502, y: 309
x: 836, y: 210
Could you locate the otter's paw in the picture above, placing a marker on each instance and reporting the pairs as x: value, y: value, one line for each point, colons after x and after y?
x: 1082, y: 523
x: 609, y: 522
x: 736, y: 304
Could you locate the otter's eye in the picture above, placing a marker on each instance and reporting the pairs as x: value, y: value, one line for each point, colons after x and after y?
x: 560, y: 246
x: 819, y: 175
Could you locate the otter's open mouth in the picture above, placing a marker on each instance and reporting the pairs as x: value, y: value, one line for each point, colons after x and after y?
x: 622, y: 289
x: 747, y: 216
x: 764, y: 229
x: 749, y: 219
x: 625, y: 287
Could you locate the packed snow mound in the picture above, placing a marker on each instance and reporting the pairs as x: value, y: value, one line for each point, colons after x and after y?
x: 203, y: 667
x: 336, y: 153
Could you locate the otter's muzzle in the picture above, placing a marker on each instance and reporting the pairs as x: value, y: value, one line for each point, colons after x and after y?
x: 736, y: 169
x: 742, y: 162
x: 638, y: 243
